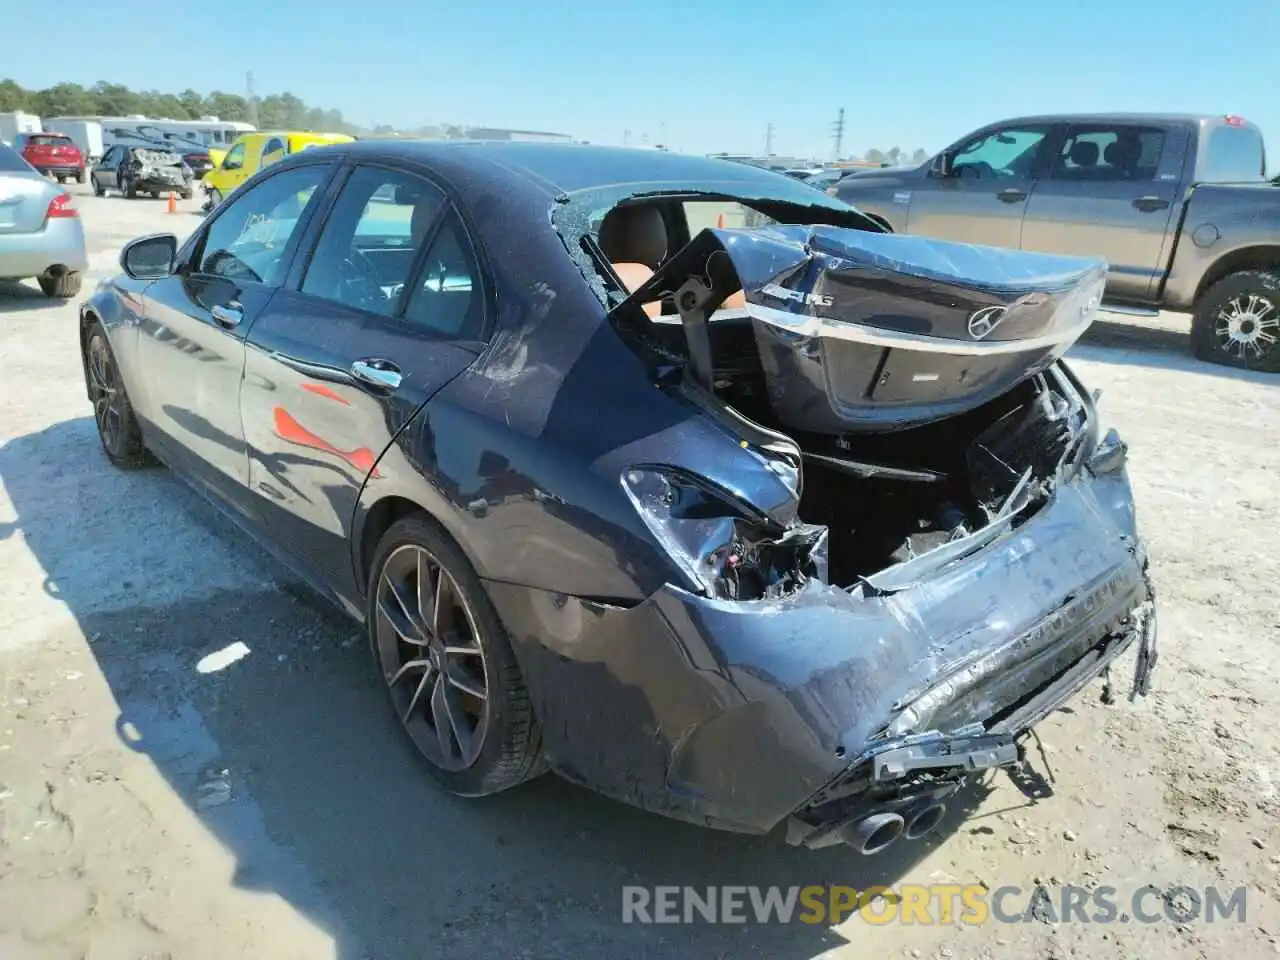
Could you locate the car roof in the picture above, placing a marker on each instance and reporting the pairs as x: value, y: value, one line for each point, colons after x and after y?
x: 1119, y: 118
x: 561, y: 168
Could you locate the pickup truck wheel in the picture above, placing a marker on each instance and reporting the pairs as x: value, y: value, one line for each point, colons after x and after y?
x: 1237, y: 322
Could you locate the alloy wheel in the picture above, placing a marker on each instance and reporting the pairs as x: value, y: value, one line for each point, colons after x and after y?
x: 108, y: 398
x: 432, y: 658
x: 1247, y: 326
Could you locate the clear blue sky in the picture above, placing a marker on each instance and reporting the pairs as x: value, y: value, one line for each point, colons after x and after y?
x: 704, y: 75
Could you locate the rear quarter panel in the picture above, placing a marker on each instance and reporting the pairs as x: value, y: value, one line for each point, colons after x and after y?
x: 1225, y: 227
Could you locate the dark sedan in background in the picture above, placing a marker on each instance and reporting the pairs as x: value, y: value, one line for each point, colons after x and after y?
x: 133, y: 170
x: 800, y: 523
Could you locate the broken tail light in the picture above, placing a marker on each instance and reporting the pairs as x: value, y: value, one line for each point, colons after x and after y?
x: 722, y: 545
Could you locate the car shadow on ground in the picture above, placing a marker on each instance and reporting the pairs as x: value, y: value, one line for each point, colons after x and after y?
x: 1124, y: 343
x: 290, y: 757
x: 16, y: 296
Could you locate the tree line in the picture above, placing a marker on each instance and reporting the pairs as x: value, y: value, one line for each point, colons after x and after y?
x: 895, y: 156
x: 277, y: 111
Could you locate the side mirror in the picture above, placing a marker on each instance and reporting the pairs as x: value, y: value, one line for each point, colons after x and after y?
x: 943, y: 165
x: 150, y: 257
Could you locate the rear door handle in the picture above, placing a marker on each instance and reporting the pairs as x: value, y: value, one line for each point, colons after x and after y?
x: 1011, y: 195
x: 377, y: 373
x: 227, y: 315
x: 1150, y: 204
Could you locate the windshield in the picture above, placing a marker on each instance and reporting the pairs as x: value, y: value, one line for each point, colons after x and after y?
x: 44, y: 140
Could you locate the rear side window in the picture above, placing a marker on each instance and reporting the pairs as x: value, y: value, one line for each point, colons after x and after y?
x: 448, y: 299
x: 370, y: 240
x: 44, y: 140
x: 1234, y: 154
x: 1108, y: 153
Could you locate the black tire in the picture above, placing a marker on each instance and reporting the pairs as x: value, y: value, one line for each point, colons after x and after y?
x: 510, y: 751
x: 1233, y: 318
x: 62, y: 286
x: 81, y: 176
x: 98, y: 191
x: 117, y: 426
x: 130, y: 190
x: 185, y: 194
x: 215, y: 198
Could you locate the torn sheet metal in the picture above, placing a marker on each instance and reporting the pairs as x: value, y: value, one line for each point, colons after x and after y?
x: 158, y: 166
x: 872, y: 331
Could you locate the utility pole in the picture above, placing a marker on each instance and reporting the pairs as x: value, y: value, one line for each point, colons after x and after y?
x: 251, y: 98
x: 838, y: 134
x: 626, y: 137
x: 768, y: 140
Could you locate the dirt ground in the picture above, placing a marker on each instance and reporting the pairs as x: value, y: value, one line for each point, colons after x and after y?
x: 157, y: 804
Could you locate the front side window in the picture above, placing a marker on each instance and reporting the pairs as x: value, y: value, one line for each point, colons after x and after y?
x: 1109, y: 152
x: 371, y: 239
x: 247, y: 241
x: 235, y: 159
x: 1009, y: 152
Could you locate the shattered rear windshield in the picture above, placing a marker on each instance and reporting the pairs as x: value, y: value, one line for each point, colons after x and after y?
x: 158, y: 158
x: 577, y: 217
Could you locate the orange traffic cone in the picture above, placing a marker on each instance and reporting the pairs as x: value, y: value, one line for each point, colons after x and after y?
x: 720, y: 222
x: 173, y: 202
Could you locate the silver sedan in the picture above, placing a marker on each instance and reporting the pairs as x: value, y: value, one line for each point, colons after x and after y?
x: 41, y: 234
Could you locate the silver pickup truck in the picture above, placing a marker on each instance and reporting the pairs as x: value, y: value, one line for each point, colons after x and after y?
x: 1178, y: 205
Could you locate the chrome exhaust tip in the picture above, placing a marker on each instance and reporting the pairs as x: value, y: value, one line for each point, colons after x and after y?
x: 924, y: 820
x: 874, y: 833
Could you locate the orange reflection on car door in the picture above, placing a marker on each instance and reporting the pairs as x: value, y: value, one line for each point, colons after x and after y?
x: 287, y: 428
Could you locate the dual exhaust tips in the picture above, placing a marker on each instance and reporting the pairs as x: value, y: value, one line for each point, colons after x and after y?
x: 878, y: 831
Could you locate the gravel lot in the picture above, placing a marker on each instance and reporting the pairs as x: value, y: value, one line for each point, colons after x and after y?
x: 270, y: 809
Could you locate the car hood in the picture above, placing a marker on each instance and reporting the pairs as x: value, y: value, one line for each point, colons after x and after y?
x: 860, y: 330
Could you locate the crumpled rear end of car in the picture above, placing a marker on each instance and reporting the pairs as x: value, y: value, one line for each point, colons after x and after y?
x: 881, y: 589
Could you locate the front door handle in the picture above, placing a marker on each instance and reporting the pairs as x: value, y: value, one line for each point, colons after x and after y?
x: 1150, y: 204
x: 1011, y: 195
x: 227, y: 315
x: 377, y: 373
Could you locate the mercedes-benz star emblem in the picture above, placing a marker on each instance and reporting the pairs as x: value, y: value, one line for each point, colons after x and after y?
x: 982, y: 322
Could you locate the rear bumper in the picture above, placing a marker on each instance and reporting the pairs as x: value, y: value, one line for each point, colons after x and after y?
x: 155, y: 183
x: 59, y: 244
x: 742, y: 715
x: 60, y: 169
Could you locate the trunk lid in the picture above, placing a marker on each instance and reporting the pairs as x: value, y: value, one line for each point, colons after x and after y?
x: 863, y: 331
x: 24, y: 202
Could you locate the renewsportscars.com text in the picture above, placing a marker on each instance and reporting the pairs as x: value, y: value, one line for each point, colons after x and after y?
x: 939, y: 903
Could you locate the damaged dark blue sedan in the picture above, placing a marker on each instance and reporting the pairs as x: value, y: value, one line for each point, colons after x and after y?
x: 672, y: 475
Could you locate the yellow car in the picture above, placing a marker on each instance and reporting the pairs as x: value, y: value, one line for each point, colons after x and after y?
x: 253, y: 151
